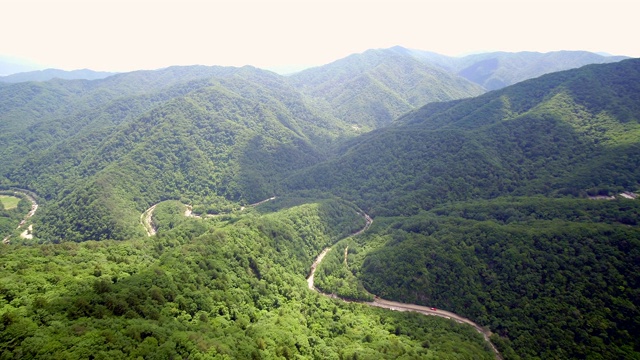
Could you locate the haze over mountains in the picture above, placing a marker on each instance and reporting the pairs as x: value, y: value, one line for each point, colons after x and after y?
x: 474, y: 169
x: 49, y: 74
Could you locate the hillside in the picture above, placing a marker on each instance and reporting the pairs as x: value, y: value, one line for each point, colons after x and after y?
x: 371, y: 89
x: 574, y: 132
x: 231, y: 287
x: 551, y: 278
x: 551, y: 274
x: 229, y: 138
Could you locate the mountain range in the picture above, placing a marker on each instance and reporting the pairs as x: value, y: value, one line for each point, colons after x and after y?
x: 477, y: 172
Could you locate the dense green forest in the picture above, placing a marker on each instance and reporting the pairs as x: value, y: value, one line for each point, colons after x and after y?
x: 333, y: 276
x: 555, y: 278
x: 223, y: 288
x: 480, y: 208
x: 105, y: 150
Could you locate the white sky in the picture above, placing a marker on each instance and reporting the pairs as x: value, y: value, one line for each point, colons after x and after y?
x: 123, y: 35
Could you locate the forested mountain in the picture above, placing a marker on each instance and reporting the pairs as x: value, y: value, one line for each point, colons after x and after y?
x: 231, y: 136
x: 371, y: 89
x: 573, y: 132
x: 230, y: 287
x: 479, y: 205
x: 554, y: 278
x: 49, y: 74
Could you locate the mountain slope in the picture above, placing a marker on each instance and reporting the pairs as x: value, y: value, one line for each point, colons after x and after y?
x: 549, y: 272
x: 371, y: 89
x: 227, y: 139
x: 551, y: 278
x: 568, y: 132
x: 230, y: 288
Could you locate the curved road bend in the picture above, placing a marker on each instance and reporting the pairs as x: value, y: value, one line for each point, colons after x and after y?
x: 398, y: 306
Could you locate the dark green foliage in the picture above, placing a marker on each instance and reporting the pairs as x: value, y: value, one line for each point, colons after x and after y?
x: 556, y: 135
x: 556, y: 278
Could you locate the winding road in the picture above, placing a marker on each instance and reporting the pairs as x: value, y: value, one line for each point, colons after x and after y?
x: 398, y: 306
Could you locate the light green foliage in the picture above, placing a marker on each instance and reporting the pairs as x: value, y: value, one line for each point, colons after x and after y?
x: 9, y: 202
x: 371, y: 89
x: 213, y: 289
x: 168, y: 214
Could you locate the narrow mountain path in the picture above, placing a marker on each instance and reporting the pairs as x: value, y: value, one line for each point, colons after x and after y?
x: 34, y: 208
x: 398, y: 306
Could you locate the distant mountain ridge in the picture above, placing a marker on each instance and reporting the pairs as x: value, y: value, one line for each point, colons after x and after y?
x: 495, y: 70
x: 49, y: 74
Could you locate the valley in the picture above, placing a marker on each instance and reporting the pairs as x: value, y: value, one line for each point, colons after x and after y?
x: 484, y: 175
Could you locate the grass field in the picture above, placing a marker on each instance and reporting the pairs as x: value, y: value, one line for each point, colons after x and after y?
x: 9, y: 202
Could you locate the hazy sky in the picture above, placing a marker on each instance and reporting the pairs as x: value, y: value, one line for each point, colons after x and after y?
x: 122, y: 35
